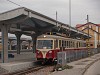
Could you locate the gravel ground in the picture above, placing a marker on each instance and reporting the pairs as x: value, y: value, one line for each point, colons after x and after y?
x: 44, y: 71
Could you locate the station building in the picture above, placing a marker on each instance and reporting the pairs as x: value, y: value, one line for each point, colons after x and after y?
x: 93, y: 30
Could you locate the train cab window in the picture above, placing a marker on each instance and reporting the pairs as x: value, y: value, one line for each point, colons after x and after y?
x: 47, y: 44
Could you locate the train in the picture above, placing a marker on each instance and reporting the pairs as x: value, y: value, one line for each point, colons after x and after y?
x: 48, y: 46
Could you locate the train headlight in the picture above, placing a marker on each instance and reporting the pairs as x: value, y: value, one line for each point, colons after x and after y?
x: 50, y: 51
x: 44, y: 36
x: 44, y: 47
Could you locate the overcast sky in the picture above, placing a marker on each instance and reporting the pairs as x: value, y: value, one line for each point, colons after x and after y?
x: 80, y: 8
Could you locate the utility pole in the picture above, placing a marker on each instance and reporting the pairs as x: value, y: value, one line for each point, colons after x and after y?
x: 56, y: 17
x: 69, y: 17
x: 98, y: 46
x: 88, y: 27
x: 70, y: 12
x: 98, y: 36
x: 88, y: 45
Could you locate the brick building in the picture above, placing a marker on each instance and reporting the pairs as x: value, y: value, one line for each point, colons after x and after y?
x: 93, y: 30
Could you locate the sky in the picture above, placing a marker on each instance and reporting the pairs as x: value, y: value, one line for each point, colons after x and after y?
x: 79, y: 9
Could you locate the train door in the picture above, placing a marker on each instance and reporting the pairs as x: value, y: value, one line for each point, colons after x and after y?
x: 55, y: 48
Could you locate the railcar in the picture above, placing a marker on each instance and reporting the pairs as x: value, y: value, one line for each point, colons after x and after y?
x: 49, y: 45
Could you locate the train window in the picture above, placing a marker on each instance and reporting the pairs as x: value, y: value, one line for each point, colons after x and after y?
x: 56, y: 44
x: 73, y: 44
x: 91, y: 44
x: 60, y: 43
x: 82, y: 44
x: 48, y: 44
x: 70, y: 44
x: 63, y: 43
x: 67, y: 44
x: 77, y: 45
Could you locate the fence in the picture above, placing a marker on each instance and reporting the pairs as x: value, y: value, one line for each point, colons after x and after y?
x: 64, y: 57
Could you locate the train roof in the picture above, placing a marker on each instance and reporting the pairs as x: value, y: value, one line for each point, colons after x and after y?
x: 56, y: 37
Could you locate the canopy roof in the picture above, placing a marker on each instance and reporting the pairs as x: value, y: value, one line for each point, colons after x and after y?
x: 29, y: 22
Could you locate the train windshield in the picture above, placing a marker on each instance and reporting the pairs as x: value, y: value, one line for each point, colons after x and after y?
x: 47, y: 44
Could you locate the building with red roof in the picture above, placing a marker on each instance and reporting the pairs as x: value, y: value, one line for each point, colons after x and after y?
x: 93, y: 30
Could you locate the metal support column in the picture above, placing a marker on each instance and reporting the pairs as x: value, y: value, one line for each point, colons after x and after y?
x: 4, y: 30
x: 34, y: 39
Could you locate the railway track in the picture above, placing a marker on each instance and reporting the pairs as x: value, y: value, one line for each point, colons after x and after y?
x: 44, y: 71
x: 29, y: 70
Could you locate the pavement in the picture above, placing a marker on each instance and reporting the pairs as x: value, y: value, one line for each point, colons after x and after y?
x: 19, y: 62
x: 22, y: 57
x: 93, y: 69
x: 79, y: 67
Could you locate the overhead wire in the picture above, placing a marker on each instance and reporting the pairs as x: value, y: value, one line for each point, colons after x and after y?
x: 13, y: 3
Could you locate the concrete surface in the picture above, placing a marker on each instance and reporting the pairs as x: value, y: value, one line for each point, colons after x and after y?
x: 93, y: 69
x: 79, y: 67
x: 12, y: 67
x: 19, y: 62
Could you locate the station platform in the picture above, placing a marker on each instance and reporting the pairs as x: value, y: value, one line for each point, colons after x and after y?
x: 79, y: 67
x: 19, y: 62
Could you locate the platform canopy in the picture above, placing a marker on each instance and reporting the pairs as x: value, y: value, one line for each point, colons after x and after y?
x: 25, y: 21
x: 29, y: 22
